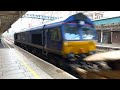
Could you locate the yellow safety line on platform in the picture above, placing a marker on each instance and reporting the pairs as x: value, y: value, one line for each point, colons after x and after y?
x: 28, y: 67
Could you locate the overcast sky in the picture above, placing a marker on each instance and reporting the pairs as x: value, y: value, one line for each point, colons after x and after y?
x: 27, y: 22
x: 108, y: 14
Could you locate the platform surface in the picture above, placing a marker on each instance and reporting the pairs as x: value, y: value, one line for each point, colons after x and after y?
x: 16, y: 63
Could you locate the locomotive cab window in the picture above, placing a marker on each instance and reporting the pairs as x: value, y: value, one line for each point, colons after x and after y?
x: 71, y: 32
x: 55, y: 34
x: 88, y: 32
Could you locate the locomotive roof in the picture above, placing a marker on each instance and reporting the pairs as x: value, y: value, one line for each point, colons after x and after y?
x: 75, y: 17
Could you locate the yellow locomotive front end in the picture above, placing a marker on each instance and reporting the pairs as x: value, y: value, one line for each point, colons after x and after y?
x: 74, y: 49
x: 79, y: 40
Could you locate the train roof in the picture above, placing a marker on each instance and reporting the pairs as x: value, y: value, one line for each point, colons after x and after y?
x: 75, y: 17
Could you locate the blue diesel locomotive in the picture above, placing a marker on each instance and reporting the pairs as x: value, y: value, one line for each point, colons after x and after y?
x: 69, y: 38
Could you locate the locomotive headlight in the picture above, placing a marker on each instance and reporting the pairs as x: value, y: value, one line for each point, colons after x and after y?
x: 81, y: 22
x: 65, y: 43
x: 82, y: 50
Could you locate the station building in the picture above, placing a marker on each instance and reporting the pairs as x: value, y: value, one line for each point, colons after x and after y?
x: 108, y: 30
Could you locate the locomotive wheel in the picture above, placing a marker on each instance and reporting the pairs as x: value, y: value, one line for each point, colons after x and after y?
x: 34, y: 51
x: 59, y: 61
x: 53, y: 61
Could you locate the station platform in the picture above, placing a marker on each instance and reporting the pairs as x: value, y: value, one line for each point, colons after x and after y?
x: 16, y: 63
x: 114, y: 46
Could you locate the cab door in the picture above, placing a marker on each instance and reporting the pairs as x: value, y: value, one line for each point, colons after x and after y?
x: 54, y: 39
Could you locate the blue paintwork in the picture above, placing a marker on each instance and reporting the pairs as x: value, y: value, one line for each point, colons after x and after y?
x: 107, y: 21
x: 54, y: 24
x: 73, y: 18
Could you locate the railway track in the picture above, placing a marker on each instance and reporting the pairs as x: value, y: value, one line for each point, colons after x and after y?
x: 111, y: 74
x: 112, y: 58
x: 106, y: 48
x: 84, y: 74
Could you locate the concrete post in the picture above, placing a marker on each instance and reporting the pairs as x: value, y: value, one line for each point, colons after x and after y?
x: 0, y: 38
x: 101, y: 36
x: 111, y: 35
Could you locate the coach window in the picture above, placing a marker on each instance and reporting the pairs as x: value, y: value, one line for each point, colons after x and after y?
x: 55, y: 34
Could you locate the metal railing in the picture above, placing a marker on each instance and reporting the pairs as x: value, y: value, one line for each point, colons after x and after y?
x: 40, y: 17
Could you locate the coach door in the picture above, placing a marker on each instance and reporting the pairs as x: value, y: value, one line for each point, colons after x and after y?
x: 45, y: 40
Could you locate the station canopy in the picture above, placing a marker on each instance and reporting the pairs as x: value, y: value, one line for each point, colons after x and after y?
x: 7, y: 18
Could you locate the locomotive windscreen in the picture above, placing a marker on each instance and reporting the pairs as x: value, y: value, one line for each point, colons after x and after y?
x: 74, y: 31
x: 88, y: 32
x: 71, y: 32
